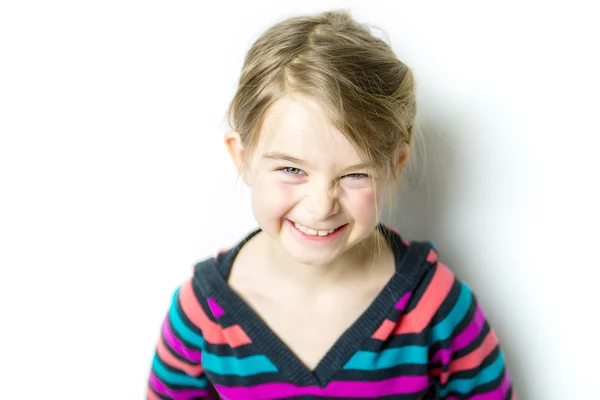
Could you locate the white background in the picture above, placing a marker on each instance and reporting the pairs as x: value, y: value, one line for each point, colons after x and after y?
x: 114, y: 179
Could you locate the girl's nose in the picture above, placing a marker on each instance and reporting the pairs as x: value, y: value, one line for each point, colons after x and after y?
x: 323, y: 203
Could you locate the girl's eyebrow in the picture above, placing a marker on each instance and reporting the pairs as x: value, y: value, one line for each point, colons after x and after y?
x: 278, y: 156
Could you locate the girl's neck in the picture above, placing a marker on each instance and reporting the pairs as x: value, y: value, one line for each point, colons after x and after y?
x: 349, y: 267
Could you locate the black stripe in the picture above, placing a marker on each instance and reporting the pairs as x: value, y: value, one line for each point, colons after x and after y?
x: 474, y: 344
x: 188, y: 324
x: 179, y: 387
x: 393, y: 341
x: 179, y: 371
x: 447, y: 343
x: 187, y: 344
x: 448, y: 303
x: 174, y: 354
x: 482, y: 389
x: 203, y: 300
x: 382, y: 374
x: 246, y: 381
x: 226, y: 350
x: 486, y: 362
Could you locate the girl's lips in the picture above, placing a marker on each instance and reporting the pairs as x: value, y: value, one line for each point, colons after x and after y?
x: 316, y: 229
x: 317, y: 238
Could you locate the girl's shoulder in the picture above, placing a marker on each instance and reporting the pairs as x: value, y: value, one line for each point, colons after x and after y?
x: 434, y: 294
x: 439, y: 303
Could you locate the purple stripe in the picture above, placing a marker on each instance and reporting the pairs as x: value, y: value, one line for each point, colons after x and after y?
x: 215, y: 308
x: 171, y: 339
x: 401, y: 304
x: 185, y: 394
x: 498, y: 394
x: 469, y: 334
x: 365, y: 390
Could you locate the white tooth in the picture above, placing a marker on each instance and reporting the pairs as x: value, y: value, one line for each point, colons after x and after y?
x: 302, y: 228
x: 313, y: 232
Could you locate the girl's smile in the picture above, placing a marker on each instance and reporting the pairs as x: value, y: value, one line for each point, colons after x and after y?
x: 316, y: 235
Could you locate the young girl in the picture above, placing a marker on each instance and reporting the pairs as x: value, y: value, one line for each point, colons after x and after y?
x: 323, y: 301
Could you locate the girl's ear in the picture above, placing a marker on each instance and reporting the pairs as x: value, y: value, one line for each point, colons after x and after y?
x: 402, y: 155
x: 233, y: 142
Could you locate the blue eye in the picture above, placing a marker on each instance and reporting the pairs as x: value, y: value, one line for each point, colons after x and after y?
x: 356, y: 176
x: 292, y: 171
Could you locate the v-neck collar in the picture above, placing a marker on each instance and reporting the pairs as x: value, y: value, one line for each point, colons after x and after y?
x: 409, y: 262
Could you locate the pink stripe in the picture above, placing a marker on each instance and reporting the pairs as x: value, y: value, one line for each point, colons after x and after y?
x: 498, y: 394
x: 171, y: 339
x: 364, y: 390
x: 186, y: 394
x: 401, y: 304
x: 432, y: 256
x: 463, y: 340
x: 150, y: 395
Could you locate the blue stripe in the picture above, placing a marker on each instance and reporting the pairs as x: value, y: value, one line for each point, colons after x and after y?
x: 173, y: 378
x: 463, y: 386
x: 229, y: 365
x: 443, y: 330
x: 181, y: 328
x: 369, y: 361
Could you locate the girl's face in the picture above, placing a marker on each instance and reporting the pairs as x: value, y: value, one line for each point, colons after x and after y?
x: 311, y: 192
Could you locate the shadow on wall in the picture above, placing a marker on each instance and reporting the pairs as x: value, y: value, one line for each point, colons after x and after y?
x: 420, y: 206
x: 423, y: 206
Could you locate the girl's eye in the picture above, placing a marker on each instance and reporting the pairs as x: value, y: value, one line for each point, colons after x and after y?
x: 356, y: 176
x: 292, y: 171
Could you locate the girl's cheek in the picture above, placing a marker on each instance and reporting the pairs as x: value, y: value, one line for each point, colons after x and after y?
x: 277, y: 196
x: 361, y: 205
x: 360, y: 200
x: 284, y: 193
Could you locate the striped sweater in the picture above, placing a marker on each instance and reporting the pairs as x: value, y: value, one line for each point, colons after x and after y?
x: 423, y: 337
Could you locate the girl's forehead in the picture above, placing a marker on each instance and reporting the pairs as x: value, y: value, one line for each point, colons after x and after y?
x: 300, y: 126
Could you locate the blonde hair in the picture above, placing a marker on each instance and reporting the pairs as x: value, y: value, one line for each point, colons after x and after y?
x: 368, y: 93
